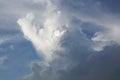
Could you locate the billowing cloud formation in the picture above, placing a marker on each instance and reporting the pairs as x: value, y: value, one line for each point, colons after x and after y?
x: 45, y: 37
x: 61, y: 39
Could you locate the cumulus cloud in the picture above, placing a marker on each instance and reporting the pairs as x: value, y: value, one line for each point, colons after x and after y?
x: 60, y: 39
x: 45, y: 38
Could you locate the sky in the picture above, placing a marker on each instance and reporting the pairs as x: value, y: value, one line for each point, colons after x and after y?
x: 59, y: 40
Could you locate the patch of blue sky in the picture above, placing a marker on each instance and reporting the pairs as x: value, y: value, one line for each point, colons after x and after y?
x: 90, y: 29
x: 20, y: 56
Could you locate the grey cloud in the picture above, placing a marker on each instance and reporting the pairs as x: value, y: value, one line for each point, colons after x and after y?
x: 3, y: 60
x: 101, y: 66
x: 69, y: 62
x: 79, y: 61
x: 111, y: 6
x: 105, y: 65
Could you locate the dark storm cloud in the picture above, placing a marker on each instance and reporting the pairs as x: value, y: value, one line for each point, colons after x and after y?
x: 106, y: 65
x: 103, y: 66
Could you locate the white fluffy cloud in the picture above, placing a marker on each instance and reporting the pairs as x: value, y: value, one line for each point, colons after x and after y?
x: 46, y: 37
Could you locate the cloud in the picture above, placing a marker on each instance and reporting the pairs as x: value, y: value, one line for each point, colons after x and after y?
x: 105, y: 65
x: 111, y: 6
x: 45, y: 38
x: 10, y: 38
x: 3, y: 40
x: 3, y: 60
x: 59, y: 37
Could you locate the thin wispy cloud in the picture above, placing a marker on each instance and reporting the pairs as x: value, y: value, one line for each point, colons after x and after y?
x: 3, y: 60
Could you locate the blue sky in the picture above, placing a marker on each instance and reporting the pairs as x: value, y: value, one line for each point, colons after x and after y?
x: 59, y: 40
